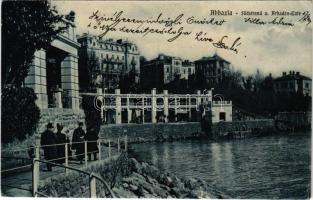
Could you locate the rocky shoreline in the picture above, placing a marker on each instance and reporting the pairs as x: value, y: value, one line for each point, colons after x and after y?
x: 147, y: 181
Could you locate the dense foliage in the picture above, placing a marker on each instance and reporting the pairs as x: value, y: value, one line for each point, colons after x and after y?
x: 252, y: 94
x: 92, y: 114
x: 20, y: 113
x: 89, y: 70
x: 128, y: 83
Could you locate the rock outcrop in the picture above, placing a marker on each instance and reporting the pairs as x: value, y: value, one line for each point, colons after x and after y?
x: 147, y: 181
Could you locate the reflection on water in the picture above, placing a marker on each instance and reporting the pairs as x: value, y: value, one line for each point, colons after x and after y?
x: 268, y: 167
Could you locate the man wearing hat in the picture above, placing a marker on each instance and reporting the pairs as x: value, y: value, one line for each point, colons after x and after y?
x: 78, y: 141
x: 48, y: 138
x: 61, y: 139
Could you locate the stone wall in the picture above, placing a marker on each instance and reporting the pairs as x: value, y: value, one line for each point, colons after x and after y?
x: 76, y: 184
x: 150, y: 132
x: 171, y: 131
x: 68, y: 117
x: 243, y: 125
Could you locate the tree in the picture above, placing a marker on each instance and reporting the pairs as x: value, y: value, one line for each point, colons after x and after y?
x: 89, y: 70
x: 27, y: 26
x: 20, y: 114
x: 128, y: 82
x: 92, y: 114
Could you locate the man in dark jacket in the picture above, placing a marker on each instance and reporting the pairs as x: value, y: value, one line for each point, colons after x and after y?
x: 78, y: 141
x: 48, y: 138
x: 92, y: 147
x: 61, y: 139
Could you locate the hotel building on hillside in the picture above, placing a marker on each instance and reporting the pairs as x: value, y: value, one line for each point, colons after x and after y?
x: 163, y: 69
x: 213, y: 68
x: 292, y: 83
x: 115, y: 57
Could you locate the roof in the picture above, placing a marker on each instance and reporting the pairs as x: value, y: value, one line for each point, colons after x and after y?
x: 215, y: 57
x: 292, y: 77
x: 162, y: 58
x: 102, y: 40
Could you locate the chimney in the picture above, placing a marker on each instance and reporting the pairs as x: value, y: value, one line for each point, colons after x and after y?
x: 298, y: 73
x: 284, y: 73
x: 270, y: 75
x: 290, y: 72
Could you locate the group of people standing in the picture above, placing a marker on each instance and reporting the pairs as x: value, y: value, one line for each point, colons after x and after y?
x: 53, y: 144
x: 79, y: 136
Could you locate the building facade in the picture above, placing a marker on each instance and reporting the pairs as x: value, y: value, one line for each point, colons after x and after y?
x: 212, y: 69
x: 54, y: 73
x: 221, y: 111
x: 117, y: 108
x: 293, y: 83
x: 164, y: 69
x: 115, y: 57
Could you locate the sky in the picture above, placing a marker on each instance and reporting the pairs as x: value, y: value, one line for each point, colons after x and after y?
x: 269, y: 48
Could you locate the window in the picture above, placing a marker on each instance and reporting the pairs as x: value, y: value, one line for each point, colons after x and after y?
x: 167, y: 69
x: 94, y: 44
x: 306, y: 85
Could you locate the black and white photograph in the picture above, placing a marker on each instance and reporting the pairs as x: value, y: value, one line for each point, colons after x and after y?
x: 156, y: 99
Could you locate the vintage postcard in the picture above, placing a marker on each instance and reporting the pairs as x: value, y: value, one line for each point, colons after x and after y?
x: 156, y: 99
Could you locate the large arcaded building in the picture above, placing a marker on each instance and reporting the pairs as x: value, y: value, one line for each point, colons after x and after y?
x: 54, y: 73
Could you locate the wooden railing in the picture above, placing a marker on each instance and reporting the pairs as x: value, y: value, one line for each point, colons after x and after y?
x: 93, y: 177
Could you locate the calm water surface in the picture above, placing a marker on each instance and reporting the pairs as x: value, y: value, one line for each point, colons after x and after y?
x: 267, y: 167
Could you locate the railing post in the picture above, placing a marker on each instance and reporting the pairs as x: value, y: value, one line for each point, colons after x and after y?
x: 36, y: 168
x: 109, y: 149
x: 93, y: 187
x: 125, y: 143
x: 66, y: 158
x: 99, y: 148
x: 118, y: 145
x: 86, y: 156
